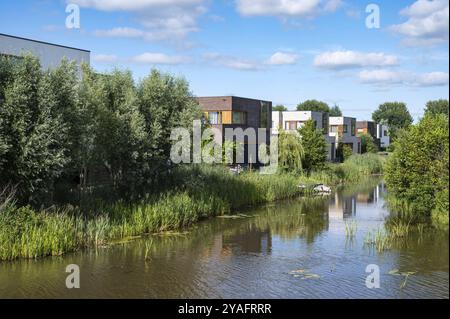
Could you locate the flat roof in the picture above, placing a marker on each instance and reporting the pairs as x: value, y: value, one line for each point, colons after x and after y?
x: 43, y: 42
x: 232, y: 96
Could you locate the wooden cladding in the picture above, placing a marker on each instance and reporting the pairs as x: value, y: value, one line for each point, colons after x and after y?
x: 226, y: 117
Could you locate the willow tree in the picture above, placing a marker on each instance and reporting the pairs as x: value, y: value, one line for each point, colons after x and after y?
x: 32, y: 133
x: 290, y: 152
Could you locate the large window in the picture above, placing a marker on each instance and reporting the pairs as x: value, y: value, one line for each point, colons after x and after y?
x: 334, y: 128
x: 345, y: 128
x: 353, y: 128
x: 264, y: 115
x: 325, y: 123
x: 239, y: 117
x: 215, y: 117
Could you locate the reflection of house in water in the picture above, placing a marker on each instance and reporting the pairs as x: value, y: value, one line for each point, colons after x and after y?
x: 251, y: 241
x: 341, y: 206
x: 371, y: 196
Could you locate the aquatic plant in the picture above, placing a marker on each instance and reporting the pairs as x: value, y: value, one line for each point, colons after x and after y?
x: 351, y: 228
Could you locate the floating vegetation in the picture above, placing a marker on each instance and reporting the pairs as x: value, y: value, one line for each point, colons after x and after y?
x: 405, y: 274
x: 237, y: 216
x: 303, y: 274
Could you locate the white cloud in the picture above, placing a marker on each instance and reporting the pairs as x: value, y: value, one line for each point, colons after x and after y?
x: 281, y: 58
x: 286, y: 8
x: 353, y: 59
x: 105, y: 58
x: 232, y: 62
x: 158, y: 58
x: 169, y: 20
x: 132, y: 5
x: 388, y: 77
x: 427, y: 24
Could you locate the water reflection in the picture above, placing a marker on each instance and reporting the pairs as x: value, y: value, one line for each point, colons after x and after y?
x: 250, y: 257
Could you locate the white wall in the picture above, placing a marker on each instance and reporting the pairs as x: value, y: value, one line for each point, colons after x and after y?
x: 385, y: 140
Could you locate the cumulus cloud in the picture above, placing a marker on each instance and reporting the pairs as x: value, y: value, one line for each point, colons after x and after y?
x: 158, y: 58
x: 352, y: 59
x: 286, y: 8
x: 427, y: 23
x: 282, y: 58
x: 144, y: 58
x: 232, y: 62
x: 105, y: 58
x: 169, y: 20
x: 389, y: 77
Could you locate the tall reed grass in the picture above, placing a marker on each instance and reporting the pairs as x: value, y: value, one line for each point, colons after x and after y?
x: 199, y: 193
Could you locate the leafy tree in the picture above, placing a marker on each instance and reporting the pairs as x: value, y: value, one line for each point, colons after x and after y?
x: 279, y: 107
x: 417, y: 171
x: 32, y: 132
x: 335, y: 111
x: 290, y: 152
x: 367, y: 143
x: 314, y: 145
x: 437, y: 107
x: 313, y: 105
x: 395, y: 115
x: 343, y: 151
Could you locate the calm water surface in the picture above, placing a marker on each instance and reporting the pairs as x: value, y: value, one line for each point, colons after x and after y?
x: 289, y: 249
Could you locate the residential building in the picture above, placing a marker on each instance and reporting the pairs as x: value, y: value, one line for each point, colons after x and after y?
x: 343, y: 130
x: 379, y: 132
x: 49, y: 54
x: 232, y: 112
x: 293, y: 120
x: 383, y: 136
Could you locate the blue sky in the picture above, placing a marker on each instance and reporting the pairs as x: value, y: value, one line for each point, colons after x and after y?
x: 285, y: 51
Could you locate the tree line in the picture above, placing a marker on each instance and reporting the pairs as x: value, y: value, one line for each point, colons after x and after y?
x: 59, y: 129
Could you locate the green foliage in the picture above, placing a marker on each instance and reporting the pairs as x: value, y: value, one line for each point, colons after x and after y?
x: 290, y: 152
x: 32, y: 133
x: 417, y: 171
x: 86, y: 134
x: 395, y: 115
x: 437, y: 107
x: 367, y: 143
x: 343, y: 152
x: 313, y: 105
x: 335, y: 111
x: 314, y: 146
x: 26, y: 233
x: 279, y: 107
x: 358, y: 165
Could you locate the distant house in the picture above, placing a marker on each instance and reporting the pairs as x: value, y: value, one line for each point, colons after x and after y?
x: 343, y: 130
x: 293, y: 120
x: 379, y: 132
x: 49, y: 54
x: 222, y: 112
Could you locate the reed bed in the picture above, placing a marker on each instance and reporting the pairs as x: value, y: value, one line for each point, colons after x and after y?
x: 26, y: 233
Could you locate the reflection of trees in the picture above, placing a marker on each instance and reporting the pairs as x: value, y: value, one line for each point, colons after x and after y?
x: 305, y: 218
x: 365, y: 186
x: 427, y: 252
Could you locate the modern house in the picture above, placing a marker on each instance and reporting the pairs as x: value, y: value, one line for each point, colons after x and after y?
x: 383, y: 135
x: 228, y: 113
x: 293, y: 120
x: 49, y: 54
x: 343, y: 130
x: 379, y: 132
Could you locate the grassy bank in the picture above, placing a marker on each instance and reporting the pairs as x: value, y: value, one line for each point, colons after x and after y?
x: 198, y: 192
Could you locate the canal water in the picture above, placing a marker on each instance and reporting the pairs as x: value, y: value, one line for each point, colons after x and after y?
x: 288, y: 249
